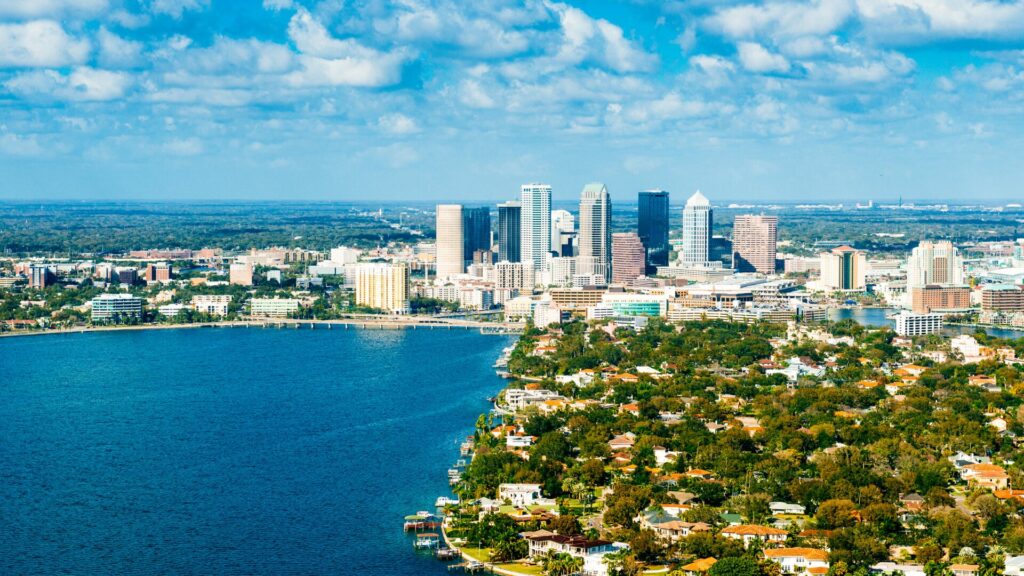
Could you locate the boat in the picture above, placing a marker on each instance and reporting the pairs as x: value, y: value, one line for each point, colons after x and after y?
x: 446, y: 553
x: 467, y: 447
x: 443, y: 501
x: 426, y: 541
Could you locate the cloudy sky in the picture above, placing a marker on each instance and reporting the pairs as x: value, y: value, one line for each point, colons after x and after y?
x: 830, y: 100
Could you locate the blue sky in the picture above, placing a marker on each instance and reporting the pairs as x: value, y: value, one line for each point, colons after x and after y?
x: 829, y: 100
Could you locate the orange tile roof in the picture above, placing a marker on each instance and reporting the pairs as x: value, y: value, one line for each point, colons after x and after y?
x: 701, y: 565
x: 753, y: 530
x: 808, y: 553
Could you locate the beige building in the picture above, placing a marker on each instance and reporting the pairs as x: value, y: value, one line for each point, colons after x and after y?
x: 843, y: 269
x: 384, y: 286
x: 753, y: 243
x: 450, y: 241
x: 933, y: 298
x: 241, y: 274
x: 628, y: 257
x: 216, y: 305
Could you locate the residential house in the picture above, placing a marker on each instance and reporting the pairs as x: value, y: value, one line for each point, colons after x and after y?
x: 1013, y: 566
x: 698, y: 567
x: 750, y: 532
x: 521, y: 495
x: 989, y: 476
x: 785, y: 508
x: 963, y: 569
x: 622, y: 442
x: 801, y: 561
x: 894, y: 568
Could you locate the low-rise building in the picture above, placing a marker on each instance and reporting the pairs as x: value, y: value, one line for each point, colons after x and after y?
x: 273, y: 307
x: 213, y: 304
x: 750, y: 532
x: 116, y: 307
x: 801, y: 561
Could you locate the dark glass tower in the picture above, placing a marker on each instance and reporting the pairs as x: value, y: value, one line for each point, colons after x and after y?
x: 652, y: 226
x: 476, y: 231
x: 508, y: 231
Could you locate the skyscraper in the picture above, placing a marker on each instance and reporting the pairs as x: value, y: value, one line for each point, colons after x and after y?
x: 843, y: 269
x: 934, y: 263
x: 628, y: 256
x: 754, y: 240
x: 563, y: 226
x: 652, y: 226
x: 535, y: 224
x: 450, y: 242
x: 508, y: 231
x: 476, y: 232
x: 696, y: 230
x: 595, y: 242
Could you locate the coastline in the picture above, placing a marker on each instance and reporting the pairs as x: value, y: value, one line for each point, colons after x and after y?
x: 382, y: 323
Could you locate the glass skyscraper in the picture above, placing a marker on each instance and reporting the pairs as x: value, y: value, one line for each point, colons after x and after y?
x: 476, y: 231
x: 508, y: 231
x: 652, y: 226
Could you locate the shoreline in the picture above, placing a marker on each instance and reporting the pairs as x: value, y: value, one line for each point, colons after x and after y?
x: 495, y: 328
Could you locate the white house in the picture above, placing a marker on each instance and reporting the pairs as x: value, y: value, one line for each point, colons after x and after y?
x: 904, y: 569
x: 799, y: 560
x: 782, y: 508
x: 520, y: 494
x: 1013, y: 566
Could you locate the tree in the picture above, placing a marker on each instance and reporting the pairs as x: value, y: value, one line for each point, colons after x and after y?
x: 566, y: 525
x: 833, y: 514
x: 646, y: 547
x: 510, y: 549
x: 735, y: 566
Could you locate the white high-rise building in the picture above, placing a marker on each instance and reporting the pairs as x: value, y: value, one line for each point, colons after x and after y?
x: 535, y: 224
x: 595, y: 240
x: 563, y: 224
x: 934, y: 263
x: 450, y: 245
x: 696, y: 230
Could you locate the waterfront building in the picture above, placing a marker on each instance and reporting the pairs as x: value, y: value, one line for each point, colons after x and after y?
x: 595, y: 239
x: 451, y: 245
x: 577, y: 299
x: 1002, y: 297
x: 535, y: 224
x: 696, y: 230
x: 273, y: 307
x: 509, y: 224
x: 754, y: 239
x: 915, y: 324
x: 934, y: 263
x: 116, y: 307
x: 546, y: 313
x: 384, y: 286
x: 172, y: 310
x: 653, y: 226
x: 241, y: 274
x: 213, y: 304
x: 519, y: 308
x: 476, y: 234
x: 628, y: 257
x: 511, y: 276
x: 843, y: 269
x: 935, y: 298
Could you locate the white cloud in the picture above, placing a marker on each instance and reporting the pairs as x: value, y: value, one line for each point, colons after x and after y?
x: 757, y: 58
x: 14, y: 145
x: 37, y: 8
x: 597, y: 40
x: 39, y: 43
x: 116, y: 51
x: 781, y: 19
x: 82, y: 84
x: 924, y: 19
x: 398, y: 124
x: 472, y: 94
x: 329, y: 61
x: 175, y: 8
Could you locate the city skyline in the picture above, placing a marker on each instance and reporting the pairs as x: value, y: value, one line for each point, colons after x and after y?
x: 825, y: 101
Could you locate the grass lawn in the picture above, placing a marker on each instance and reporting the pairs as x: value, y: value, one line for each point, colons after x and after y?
x: 478, y: 554
x: 522, y: 569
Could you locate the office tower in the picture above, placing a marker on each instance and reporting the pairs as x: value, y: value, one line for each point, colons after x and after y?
x: 628, y: 256
x: 125, y: 276
x: 450, y: 242
x: 535, y: 224
x: 696, y: 230
x: 241, y: 274
x: 595, y: 241
x: 476, y: 232
x: 753, y: 243
x: 563, y: 227
x: 652, y: 226
x: 934, y: 263
x: 160, y: 272
x: 384, y: 286
x: 40, y: 276
x: 843, y: 269
x: 509, y: 232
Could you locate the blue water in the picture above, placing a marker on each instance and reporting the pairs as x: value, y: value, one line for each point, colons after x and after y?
x: 231, y: 450
x: 878, y: 317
